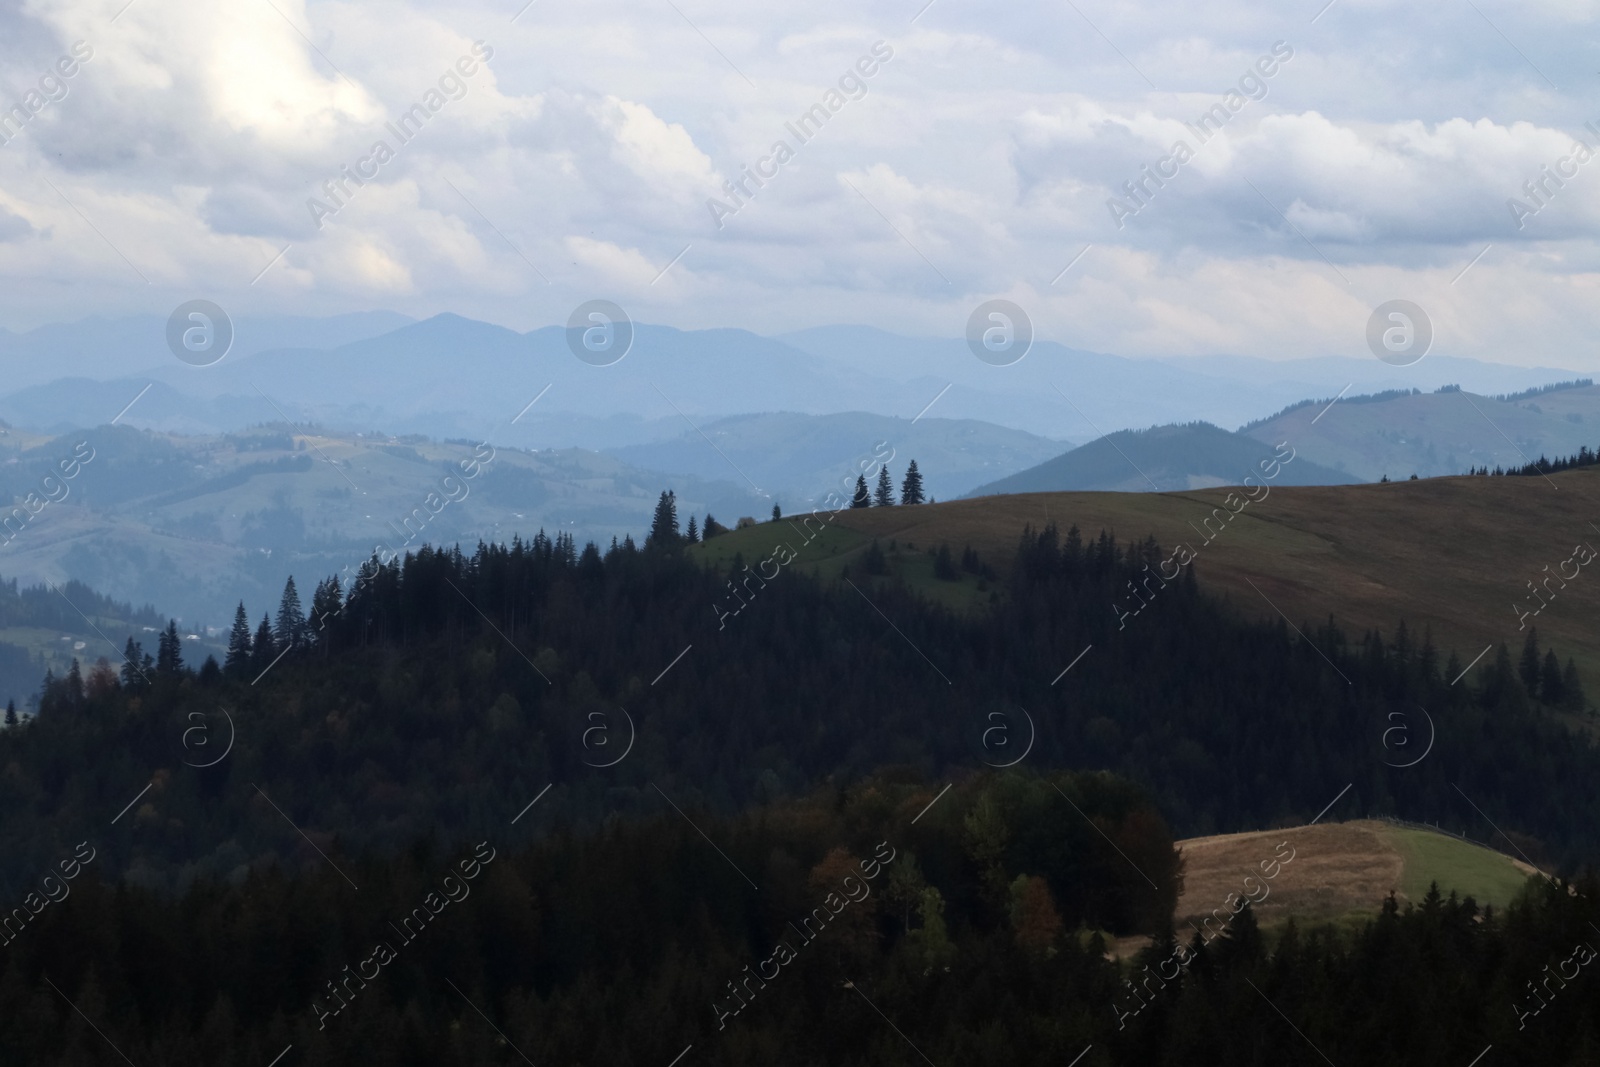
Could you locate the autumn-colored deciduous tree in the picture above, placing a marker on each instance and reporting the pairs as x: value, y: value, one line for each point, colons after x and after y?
x: 844, y: 904
x: 102, y: 682
x: 1034, y: 918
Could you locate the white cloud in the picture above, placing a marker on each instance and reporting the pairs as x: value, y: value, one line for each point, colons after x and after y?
x: 990, y: 142
x: 654, y: 149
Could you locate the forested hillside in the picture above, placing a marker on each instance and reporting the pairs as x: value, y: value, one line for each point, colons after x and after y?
x: 924, y: 928
x: 665, y: 784
x: 439, y: 690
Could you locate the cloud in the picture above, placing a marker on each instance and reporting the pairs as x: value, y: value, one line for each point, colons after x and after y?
x: 656, y: 150
x: 13, y: 226
x: 981, y: 157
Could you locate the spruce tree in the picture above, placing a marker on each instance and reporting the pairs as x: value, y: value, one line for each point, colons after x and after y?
x: 693, y: 536
x: 264, y: 649
x: 169, y: 651
x: 135, y: 674
x: 11, y: 713
x: 291, y: 628
x: 238, y: 660
x: 326, y: 602
x: 664, y: 526
x: 1572, y: 688
x: 1528, y: 669
x: 884, y: 496
x: 74, y: 684
x: 1495, y: 678
x: 862, y: 499
x: 777, y: 513
x: 911, y: 487
x: 1550, y: 680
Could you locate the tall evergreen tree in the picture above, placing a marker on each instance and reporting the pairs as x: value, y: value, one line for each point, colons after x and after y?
x: 1528, y: 669
x: 1550, y: 679
x: 291, y: 628
x: 74, y: 684
x: 11, y: 713
x: 1572, y: 697
x: 169, y: 651
x: 862, y: 499
x: 136, y: 666
x: 263, y: 650
x: 664, y: 526
x: 326, y: 603
x: 911, y: 487
x: 1499, y: 682
x: 884, y: 496
x: 712, y: 528
x: 693, y: 536
x: 238, y: 660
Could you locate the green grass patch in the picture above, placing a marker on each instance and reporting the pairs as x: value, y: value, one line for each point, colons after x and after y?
x: 1485, y: 875
x: 832, y: 548
x: 916, y: 569
x: 829, y: 546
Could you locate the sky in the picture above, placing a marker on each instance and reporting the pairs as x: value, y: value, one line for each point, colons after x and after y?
x: 1357, y: 152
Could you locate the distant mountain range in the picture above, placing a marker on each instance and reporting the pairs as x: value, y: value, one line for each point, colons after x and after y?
x: 1337, y: 440
x: 801, y: 457
x: 187, y: 512
x: 450, y: 376
x: 1165, y: 459
x: 195, y: 523
x: 1438, y: 433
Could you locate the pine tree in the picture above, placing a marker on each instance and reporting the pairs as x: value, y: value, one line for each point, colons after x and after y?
x: 777, y: 513
x: 135, y: 674
x: 1500, y: 687
x: 911, y: 487
x: 1572, y: 688
x: 712, y: 528
x: 664, y: 526
x: 169, y: 651
x: 1550, y: 680
x: 291, y: 628
x: 1528, y: 669
x: 326, y: 603
x: 693, y: 536
x: 74, y: 684
x: 884, y: 496
x: 238, y: 660
x: 1242, y: 944
x: 263, y: 650
x: 862, y: 499
x: 11, y: 713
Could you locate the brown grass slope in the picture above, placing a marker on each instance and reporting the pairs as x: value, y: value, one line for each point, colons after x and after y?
x: 1451, y: 554
x: 1336, y: 870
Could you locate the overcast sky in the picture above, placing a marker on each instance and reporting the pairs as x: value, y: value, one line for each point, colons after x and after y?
x: 1375, y: 162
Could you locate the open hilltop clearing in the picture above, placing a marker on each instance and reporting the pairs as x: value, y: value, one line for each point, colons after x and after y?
x: 1452, y: 555
x: 1338, y: 870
